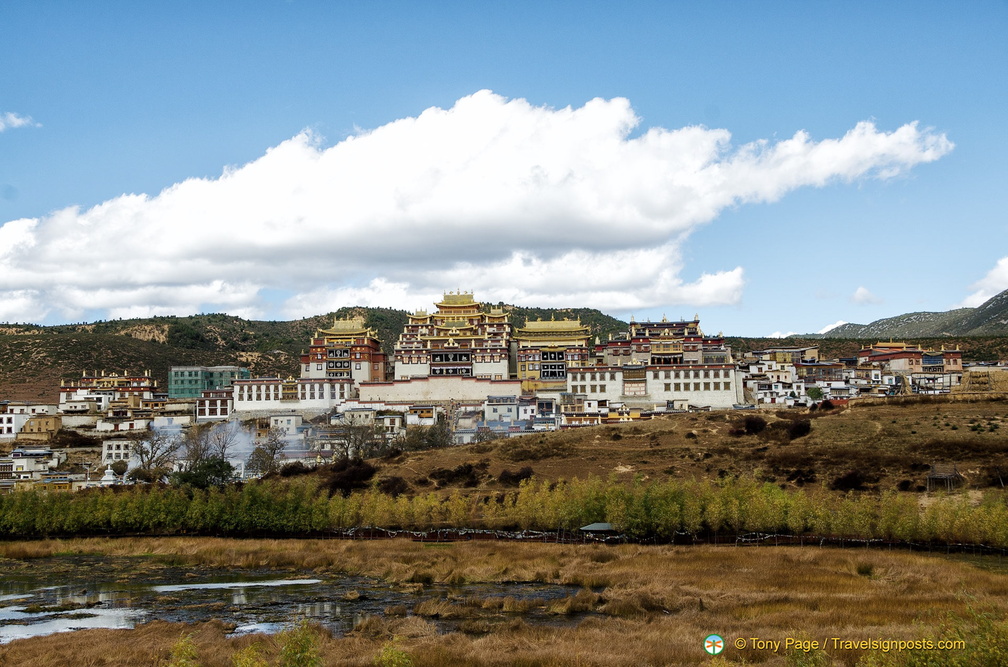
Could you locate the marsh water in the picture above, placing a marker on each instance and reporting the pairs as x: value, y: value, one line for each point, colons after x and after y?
x: 65, y: 593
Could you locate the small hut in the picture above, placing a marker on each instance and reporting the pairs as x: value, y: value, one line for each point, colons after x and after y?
x: 944, y: 476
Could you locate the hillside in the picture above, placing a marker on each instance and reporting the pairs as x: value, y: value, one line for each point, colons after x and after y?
x: 34, y: 358
x: 988, y: 319
x: 882, y: 446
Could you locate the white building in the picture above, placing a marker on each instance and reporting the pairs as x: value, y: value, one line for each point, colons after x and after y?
x: 11, y: 424
x: 702, y: 385
x: 265, y: 395
x: 117, y: 449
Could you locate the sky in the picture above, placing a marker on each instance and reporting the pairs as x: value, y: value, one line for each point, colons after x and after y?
x: 774, y: 167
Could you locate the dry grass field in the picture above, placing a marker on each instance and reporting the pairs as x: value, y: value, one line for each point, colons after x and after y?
x: 865, y: 447
x: 629, y: 604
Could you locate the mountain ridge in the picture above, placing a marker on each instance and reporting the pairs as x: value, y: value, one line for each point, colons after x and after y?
x: 988, y: 319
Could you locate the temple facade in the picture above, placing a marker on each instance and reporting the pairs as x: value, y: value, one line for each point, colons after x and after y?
x: 546, y: 349
x: 348, y: 351
x: 459, y: 339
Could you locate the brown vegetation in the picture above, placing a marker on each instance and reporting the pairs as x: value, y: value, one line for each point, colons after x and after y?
x: 650, y: 605
x: 890, y: 443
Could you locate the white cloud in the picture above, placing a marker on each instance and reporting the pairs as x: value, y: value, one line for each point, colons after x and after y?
x: 780, y: 334
x: 995, y: 282
x: 11, y: 120
x: 862, y: 295
x: 519, y: 203
x: 831, y: 327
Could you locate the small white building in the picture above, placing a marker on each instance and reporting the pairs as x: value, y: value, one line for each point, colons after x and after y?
x: 11, y: 424
x: 32, y: 463
x: 501, y: 409
x: 117, y: 449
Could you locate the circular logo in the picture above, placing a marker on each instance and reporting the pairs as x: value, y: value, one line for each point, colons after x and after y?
x: 713, y: 644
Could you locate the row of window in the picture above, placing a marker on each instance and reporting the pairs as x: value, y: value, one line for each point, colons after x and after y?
x: 687, y: 375
x: 550, y: 356
x: 273, y: 392
x: 637, y: 387
x: 479, y: 358
x: 657, y: 375
x: 448, y: 357
x: 464, y: 371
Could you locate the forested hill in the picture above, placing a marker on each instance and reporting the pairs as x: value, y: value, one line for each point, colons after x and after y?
x: 33, y: 358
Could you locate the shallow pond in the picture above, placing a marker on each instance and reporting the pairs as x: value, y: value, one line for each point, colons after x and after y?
x: 65, y: 593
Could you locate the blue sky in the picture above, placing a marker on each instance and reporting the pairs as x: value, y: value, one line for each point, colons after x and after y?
x: 294, y: 157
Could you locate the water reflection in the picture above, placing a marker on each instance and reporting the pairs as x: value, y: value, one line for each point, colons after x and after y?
x: 97, y: 592
x: 234, y: 584
x: 35, y: 625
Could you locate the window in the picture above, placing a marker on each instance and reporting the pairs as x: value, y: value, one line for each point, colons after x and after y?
x: 668, y: 386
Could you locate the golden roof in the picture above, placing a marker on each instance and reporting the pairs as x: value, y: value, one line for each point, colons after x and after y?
x: 459, y: 298
x: 349, y: 327
x: 551, y: 326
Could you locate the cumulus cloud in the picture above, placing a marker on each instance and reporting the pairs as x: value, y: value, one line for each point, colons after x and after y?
x: 520, y: 203
x: 995, y: 282
x: 10, y: 120
x: 862, y: 295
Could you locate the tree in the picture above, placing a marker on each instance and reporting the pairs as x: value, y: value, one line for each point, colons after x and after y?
x: 212, y: 471
x: 222, y: 438
x: 120, y: 467
x: 426, y: 437
x: 486, y: 435
x: 265, y: 458
x: 155, y: 453
x: 815, y: 393
x: 215, y: 441
x: 358, y: 440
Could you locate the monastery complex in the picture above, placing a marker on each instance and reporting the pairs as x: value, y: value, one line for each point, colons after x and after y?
x: 465, y: 364
x: 463, y: 352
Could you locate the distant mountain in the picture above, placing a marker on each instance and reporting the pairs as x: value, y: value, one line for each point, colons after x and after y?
x: 988, y: 319
x: 33, y: 359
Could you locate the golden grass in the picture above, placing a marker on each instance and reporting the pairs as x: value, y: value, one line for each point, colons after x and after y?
x: 657, y: 605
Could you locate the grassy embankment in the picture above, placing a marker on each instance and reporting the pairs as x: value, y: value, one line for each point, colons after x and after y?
x: 648, y: 605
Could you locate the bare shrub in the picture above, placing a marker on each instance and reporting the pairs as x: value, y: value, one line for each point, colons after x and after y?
x: 394, y: 486
x: 754, y: 424
x: 523, y: 449
x: 509, y: 478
